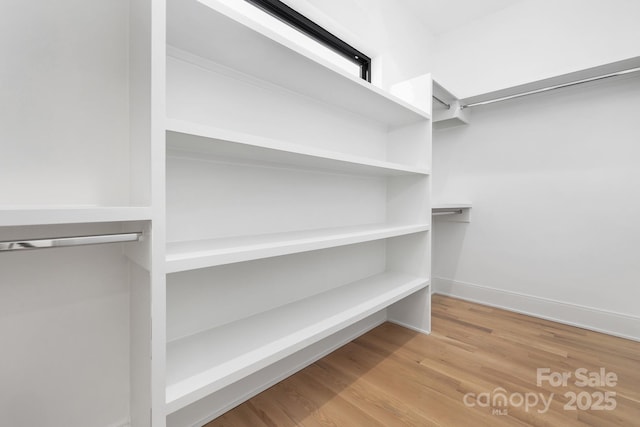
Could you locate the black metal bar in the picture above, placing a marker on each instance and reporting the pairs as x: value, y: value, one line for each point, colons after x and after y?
x: 288, y: 15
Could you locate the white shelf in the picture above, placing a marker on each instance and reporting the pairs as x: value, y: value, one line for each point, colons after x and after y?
x: 209, y: 140
x: 451, y: 205
x: 44, y: 215
x: 204, y: 363
x: 191, y: 255
x: 205, y: 28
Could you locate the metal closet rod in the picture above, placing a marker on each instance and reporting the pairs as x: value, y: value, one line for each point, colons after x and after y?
x: 441, y: 102
x: 445, y: 211
x: 546, y: 89
x: 59, y: 242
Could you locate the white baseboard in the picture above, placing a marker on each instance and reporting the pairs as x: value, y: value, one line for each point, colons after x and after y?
x: 410, y: 327
x: 611, y: 323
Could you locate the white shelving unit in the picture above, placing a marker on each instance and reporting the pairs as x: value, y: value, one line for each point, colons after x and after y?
x: 284, y: 206
x: 297, y: 206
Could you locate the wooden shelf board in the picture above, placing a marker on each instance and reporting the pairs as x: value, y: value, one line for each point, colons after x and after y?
x: 191, y: 255
x: 205, y: 363
x: 201, y: 140
x: 196, y: 27
x: 24, y: 215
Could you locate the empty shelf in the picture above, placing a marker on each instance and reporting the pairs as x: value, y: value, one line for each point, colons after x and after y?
x: 190, y: 255
x: 206, y: 362
x: 207, y: 140
x: 281, y: 61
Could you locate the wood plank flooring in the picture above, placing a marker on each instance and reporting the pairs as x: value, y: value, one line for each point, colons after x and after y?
x: 476, y: 354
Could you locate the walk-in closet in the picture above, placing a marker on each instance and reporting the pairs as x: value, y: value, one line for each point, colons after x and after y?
x: 237, y: 212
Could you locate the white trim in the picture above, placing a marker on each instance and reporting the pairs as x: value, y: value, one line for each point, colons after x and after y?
x: 191, y: 255
x: 410, y: 327
x: 608, y: 322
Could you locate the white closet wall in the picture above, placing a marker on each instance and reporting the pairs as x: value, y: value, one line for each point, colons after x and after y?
x: 392, y: 33
x: 554, y: 181
x: 75, y: 131
x: 551, y: 176
x: 69, y: 92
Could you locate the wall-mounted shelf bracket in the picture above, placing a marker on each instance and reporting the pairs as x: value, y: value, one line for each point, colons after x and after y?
x: 447, y: 110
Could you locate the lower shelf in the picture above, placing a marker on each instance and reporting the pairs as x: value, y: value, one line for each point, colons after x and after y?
x: 204, y: 363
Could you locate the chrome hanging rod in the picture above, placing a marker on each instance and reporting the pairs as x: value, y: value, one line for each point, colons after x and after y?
x: 59, y: 242
x: 445, y: 211
x: 546, y: 89
x: 441, y: 102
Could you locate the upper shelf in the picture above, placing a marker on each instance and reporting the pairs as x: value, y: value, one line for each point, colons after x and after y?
x: 45, y: 215
x: 214, y: 31
x: 197, y: 138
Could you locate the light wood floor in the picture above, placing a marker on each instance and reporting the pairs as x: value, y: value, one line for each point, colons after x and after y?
x: 395, y: 377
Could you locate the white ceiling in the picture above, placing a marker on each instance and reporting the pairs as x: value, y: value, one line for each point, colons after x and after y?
x: 443, y: 15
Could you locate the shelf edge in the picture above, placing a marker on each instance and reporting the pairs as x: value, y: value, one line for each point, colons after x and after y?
x: 247, y: 140
x: 26, y: 216
x: 176, y: 264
